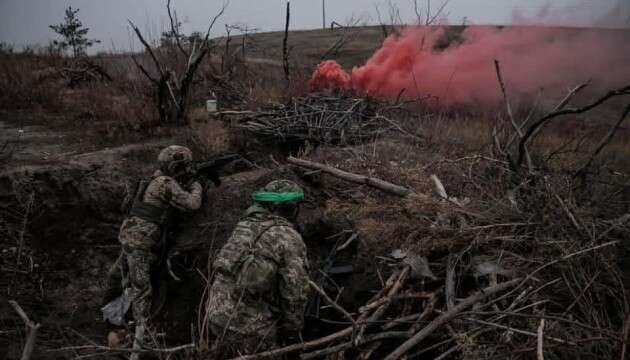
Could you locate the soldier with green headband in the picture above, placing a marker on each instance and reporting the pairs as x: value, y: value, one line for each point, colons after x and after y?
x: 260, y: 287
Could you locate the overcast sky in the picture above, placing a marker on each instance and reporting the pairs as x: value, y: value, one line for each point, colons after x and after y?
x: 26, y: 21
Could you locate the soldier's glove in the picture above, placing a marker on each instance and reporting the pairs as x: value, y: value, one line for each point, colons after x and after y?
x: 193, y: 184
x: 215, y: 178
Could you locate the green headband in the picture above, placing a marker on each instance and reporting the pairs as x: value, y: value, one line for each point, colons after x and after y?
x: 277, y: 197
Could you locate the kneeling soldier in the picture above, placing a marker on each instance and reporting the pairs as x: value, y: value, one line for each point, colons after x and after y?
x: 260, y: 288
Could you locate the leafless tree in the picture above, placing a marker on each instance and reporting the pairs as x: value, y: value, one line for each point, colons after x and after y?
x: 426, y: 17
x: 429, y: 17
x: 345, y: 35
x: 173, y: 89
x: 393, y: 23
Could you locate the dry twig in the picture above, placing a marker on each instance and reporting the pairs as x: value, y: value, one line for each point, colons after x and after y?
x: 32, y: 327
x: 447, y: 316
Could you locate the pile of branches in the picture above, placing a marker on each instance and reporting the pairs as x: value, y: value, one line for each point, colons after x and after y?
x: 537, y: 282
x: 318, y: 119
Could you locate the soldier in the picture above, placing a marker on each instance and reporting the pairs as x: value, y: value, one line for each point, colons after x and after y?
x: 171, y: 188
x: 261, y: 285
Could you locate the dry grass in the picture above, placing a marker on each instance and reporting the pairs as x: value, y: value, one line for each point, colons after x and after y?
x: 210, y: 131
x: 556, y: 215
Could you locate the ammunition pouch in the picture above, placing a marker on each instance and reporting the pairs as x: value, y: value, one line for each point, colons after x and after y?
x: 150, y: 213
x: 256, y: 273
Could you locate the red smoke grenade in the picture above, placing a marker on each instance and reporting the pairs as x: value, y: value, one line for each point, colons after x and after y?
x: 531, y: 58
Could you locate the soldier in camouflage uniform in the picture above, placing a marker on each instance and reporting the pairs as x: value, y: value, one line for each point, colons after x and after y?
x: 140, y: 234
x: 261, y: 285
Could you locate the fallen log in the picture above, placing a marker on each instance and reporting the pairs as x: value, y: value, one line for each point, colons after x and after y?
x: 355, y: 178
x: 449, y: 315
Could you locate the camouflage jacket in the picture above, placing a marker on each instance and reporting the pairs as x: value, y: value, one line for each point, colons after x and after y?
x: 164, y: 192
x: 261, y: 276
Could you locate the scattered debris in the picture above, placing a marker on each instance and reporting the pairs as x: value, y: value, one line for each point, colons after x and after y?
x: 317, y: 118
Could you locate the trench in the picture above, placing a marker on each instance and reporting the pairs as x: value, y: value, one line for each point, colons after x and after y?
x: 71, y: 243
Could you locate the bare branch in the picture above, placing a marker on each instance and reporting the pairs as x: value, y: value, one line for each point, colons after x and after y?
x: 130, y: 350
x: 448, y: 315
x: 214, y: 20
x: 333, y: 303
x: 563, y: 103
x: 32, y: 330
x: 147, y: 47
x: 508, y: 108
x: 431, y: 19
x: 350, y: 344
x: 418, y: 12
x: 605, y: 141
x: 572, y: 111
x: 143, y: 70
x: 576, y: 90
x: 541, y: 329
x: 175, y: 29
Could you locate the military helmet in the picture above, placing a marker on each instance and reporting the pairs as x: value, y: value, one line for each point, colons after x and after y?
x: 282, y: 186
x: 279, y: 192
x: 174, y: 155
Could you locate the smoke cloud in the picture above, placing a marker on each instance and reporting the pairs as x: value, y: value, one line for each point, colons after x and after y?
x: 458, y: 66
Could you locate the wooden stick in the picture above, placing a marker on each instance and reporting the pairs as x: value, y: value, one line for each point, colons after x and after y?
x: 285, y: 45
x: 129, y: 350
x: 32, y: 330
x: 439, y: 187
x: 349, y: 344
x: 449, y: 315
x: 508, y: 107
x: 321, y: 341
x: 333, y: 303
x: 519, y: 331
x: 355, y: 178
x: 539, y: 347
x: 428, y: 310
x: 388, y: 299
x: 528, y: 136
x: 297, y: 347
x: 449, y: 291
x: 605, y: 141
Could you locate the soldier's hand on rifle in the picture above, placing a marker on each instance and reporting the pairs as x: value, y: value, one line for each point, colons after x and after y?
x: 194, y: 183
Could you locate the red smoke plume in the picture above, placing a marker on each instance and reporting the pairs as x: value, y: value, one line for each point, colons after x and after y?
x: 329, y: 76
x: 531, y: 58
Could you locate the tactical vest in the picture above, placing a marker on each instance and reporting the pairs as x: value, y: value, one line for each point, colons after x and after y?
x: 148, y: 212
x: 258, y: 265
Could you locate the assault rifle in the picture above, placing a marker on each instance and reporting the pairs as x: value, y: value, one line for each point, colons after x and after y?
x: 209, y: 169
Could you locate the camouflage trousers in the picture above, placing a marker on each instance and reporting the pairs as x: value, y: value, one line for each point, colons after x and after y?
x: 132, y: 270
x: 234, y: 344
